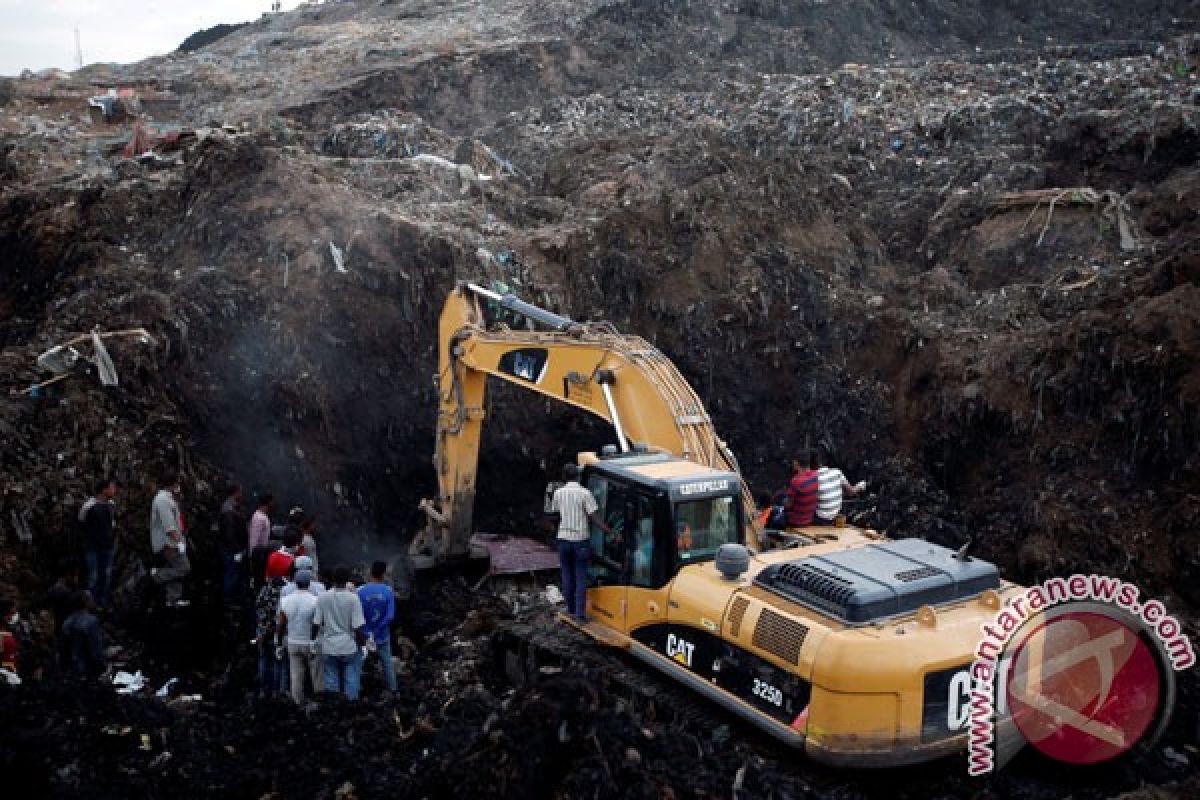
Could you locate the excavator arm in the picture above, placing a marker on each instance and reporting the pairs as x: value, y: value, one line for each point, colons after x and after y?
x: 620, y: 378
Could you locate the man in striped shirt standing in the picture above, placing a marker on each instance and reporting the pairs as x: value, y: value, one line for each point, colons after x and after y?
x: 830, y: 485
x: 575, y: 506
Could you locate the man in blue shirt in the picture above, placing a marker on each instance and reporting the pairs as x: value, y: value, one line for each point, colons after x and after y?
x: 379, y: 609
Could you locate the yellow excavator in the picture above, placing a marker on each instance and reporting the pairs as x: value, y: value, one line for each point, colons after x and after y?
x: 839, y: 641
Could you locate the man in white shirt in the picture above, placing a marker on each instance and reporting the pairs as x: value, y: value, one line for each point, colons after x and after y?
x: 340, y: 618
x: 296, y: 612
x: 167, y: 542
x: 830, y: 485
x: 575, y: 506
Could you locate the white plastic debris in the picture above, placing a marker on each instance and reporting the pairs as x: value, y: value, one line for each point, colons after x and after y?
x: 553, y: 595
x: 104, y: 363
x: 166, y: 688
x: 11, y: 678
x: 58, y: 359
x: 128, y: 683
x: 339, y: 261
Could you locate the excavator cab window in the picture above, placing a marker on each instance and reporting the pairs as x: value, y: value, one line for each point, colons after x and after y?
x: 607, y: 566
x: 645, y: 559
x: 702, y: 526
x: 637, y: 553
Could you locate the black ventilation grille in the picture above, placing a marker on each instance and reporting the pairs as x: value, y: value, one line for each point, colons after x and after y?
x: 779, y: 635
x: 880, y: 580
x: 910, y: 575
x: 736, y: 613
x: 813, y: 586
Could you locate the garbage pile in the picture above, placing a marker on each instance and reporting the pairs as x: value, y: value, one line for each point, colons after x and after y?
x: 971, y: 275
x: 581, y: 724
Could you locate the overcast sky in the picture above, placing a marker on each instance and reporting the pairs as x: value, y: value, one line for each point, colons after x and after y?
x: 35, y: 34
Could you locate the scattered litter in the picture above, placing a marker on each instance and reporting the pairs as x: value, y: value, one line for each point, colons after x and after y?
x: 20, y: 523
x: 553, y: 595
x: 128, y: 683
x: 104, y: 363
x: 62, y: 358
x: 165, y: 690
x: 338, y: 260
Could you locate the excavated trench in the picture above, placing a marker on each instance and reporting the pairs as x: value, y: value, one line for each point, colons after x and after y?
x: 1004, y: 373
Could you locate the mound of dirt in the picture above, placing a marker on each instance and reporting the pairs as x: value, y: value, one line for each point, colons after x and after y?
x: 954, y: 244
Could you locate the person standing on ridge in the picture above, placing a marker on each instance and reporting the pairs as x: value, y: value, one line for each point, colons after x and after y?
x: 379, y: 608
x: 258, y: 538
x: 340, y: 624
x: 84, y: 639
x: 166, y: 540
x: 296, y: 613
x: 98, y: 516
x: 233, y: 545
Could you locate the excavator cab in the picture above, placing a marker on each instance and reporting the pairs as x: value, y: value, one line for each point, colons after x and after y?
x: 663, y: 513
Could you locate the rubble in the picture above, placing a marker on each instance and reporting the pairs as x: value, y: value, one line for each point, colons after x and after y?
x: 971, y: 274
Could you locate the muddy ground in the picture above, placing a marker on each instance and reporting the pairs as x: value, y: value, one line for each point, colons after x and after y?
x: 955, y: 243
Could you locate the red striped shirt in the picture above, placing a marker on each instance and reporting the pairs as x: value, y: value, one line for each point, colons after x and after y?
x: 802, y: 491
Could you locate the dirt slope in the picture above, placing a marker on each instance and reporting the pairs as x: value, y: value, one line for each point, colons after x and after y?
x: 955, y: 243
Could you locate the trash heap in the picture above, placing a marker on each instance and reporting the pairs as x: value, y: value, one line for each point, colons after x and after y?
x: 954, y: 245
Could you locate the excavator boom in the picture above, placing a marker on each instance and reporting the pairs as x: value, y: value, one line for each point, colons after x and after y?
x: 620, y: 378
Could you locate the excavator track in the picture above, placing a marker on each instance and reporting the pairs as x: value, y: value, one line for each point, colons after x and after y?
x: 536, y: 649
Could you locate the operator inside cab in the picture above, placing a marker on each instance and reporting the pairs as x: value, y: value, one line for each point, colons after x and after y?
x: 661, y: 513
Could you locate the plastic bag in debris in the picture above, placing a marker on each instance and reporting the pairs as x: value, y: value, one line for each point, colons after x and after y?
x: 553, y: 595
x: 339, y: 262
x: 11, y: 678
x: 104, y: 363
x: 128, y: 683
x: 58, y: 359
x: 166, y: 688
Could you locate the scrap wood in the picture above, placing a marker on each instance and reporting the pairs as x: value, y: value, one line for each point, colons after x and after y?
x: 87, y: 337
x: 1110, y: 203
x: 1035, y: 197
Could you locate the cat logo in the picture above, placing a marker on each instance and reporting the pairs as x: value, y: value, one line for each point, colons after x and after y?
x: 680, y: 650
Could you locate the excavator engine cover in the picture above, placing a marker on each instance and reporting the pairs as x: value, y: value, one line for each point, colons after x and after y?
x: 865, y: 584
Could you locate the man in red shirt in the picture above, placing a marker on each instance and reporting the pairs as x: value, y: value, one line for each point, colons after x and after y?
x: 279, y: 563
x: 10, y: 647
x: 801, y: 495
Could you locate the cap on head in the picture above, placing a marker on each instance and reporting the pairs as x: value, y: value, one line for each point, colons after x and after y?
x: 304, y: 578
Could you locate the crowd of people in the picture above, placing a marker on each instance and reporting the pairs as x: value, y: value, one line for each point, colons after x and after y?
x: 313, y: 635
x: 310, y: 635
